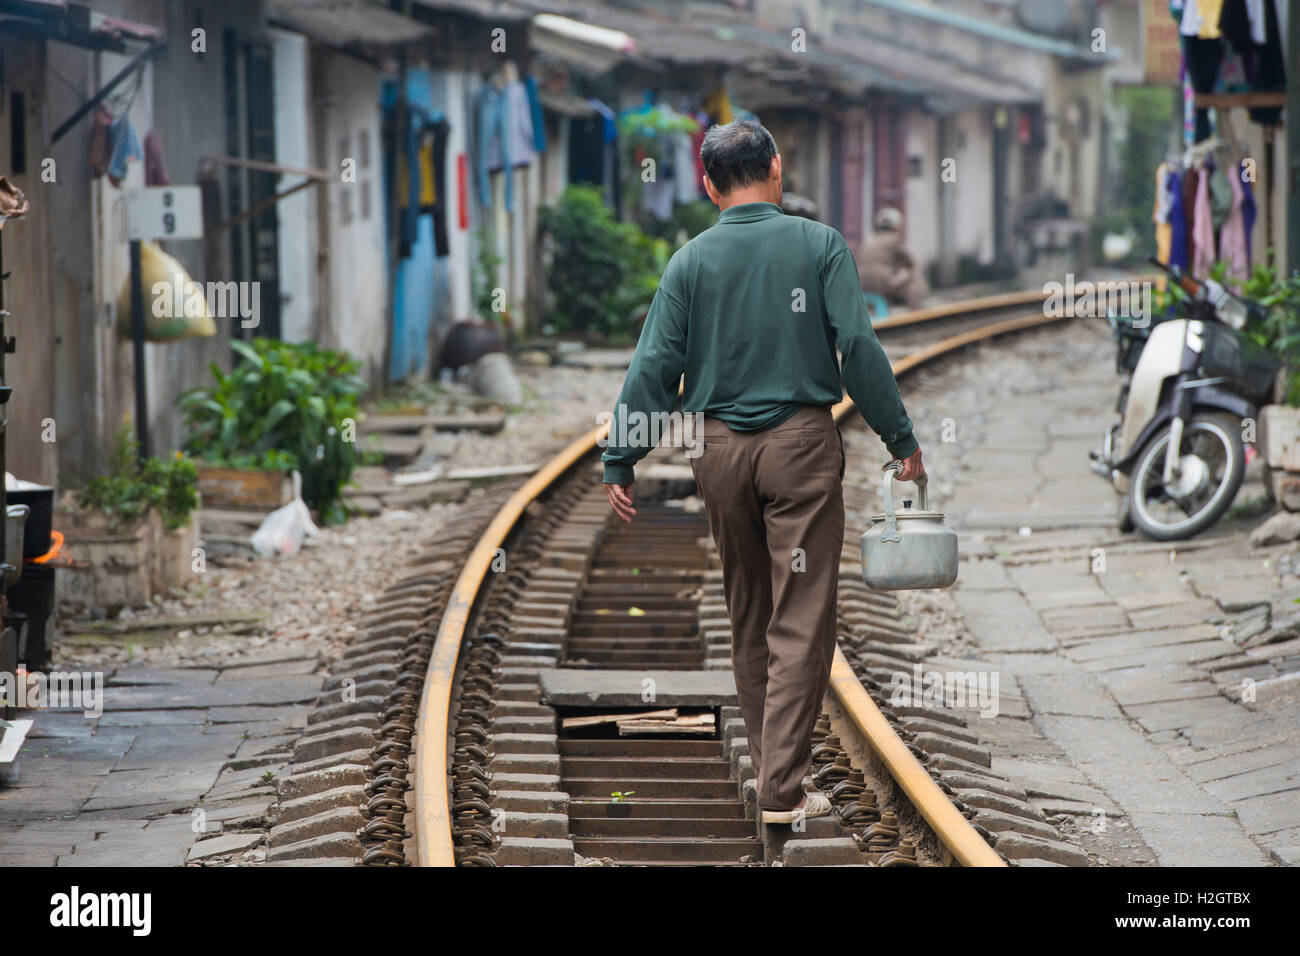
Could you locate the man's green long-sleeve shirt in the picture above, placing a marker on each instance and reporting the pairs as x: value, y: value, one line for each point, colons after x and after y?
x: 752, y: 311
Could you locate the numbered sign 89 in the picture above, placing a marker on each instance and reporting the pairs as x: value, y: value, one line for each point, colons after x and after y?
x: 164, y: 212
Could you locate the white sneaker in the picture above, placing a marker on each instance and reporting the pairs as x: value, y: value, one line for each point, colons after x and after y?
x: 815, y: 805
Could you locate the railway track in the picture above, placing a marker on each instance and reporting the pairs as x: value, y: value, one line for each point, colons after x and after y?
x: 567, y: 697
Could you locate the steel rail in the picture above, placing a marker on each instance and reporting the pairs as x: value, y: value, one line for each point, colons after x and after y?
x: 432, y: 804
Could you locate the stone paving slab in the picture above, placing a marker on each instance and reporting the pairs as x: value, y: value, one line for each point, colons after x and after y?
x: 153, y: 718
x: 1177, y: 714
x: 1180, y: 839
x: 1003, y: 621
x: 1156, y: 684
x: 1123, y: 763
x: 1205, y: 766
x: 1128, y: 670
x: 291, y: 690
x: 1268, y: 813
x: 61, y: 723
x: 120, y: 790
x: 153, y: 677
x: 1076, y: 694
x: 1261, y: 782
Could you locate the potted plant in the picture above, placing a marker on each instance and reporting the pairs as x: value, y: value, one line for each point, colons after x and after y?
x: 283, y: 407
x: 134, y: 527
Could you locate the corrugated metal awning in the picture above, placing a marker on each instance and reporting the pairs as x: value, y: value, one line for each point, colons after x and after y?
x: 346, y: 24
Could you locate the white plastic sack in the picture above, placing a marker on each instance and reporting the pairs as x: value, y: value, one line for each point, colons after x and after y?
x: 283, y: 530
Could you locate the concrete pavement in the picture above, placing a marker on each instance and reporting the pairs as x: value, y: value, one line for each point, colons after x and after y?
x: 1150, y: 690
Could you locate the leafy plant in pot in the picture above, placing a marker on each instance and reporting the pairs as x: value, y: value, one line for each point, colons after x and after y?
x: 283, y: 404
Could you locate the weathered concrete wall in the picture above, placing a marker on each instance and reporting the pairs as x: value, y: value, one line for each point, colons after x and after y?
x: 89, y: 375
x: 354, y: 261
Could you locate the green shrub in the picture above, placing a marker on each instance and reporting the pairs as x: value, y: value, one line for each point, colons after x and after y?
x: 691, y: 218
x: 132, y: 487
x: 282, y: 406
x: 602, y: 273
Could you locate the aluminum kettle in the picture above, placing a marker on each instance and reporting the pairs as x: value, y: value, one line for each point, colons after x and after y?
x: 908, y: 548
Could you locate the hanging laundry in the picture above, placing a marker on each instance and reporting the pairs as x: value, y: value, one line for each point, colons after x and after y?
x: 1205, y: 254
x: 1248, y: 214
x: 1160, y: 216
x: 1254, y: 30
x: 1177, y: 221
x: 1221, y: 197
x: 101, y: 151
x: 535, y: 110
x: 684, y: 156
x: 1243, y: 23
x: 519, y: 125
x: 124, y: 146
x: 1232, y: 237
x: 1190, y: 183
x: 493, y: 143
x: 1202, y: 57
x: 437, y: 207
x: 718, y: 105
x: 155, y: 166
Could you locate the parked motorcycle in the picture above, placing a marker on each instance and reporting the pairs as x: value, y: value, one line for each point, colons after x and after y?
x: 1190, y: 381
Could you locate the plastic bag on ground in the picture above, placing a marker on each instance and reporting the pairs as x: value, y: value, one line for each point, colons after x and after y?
x: 285, y: 528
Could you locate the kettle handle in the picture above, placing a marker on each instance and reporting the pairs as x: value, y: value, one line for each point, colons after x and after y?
x: 892, y: 471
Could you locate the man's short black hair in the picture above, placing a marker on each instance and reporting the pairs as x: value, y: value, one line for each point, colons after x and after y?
x: 737, y: 154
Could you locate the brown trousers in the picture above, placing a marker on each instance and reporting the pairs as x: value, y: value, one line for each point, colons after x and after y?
x: 776, y: 509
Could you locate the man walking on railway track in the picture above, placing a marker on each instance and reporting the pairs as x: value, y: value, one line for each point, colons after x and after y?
x: 752, y: 311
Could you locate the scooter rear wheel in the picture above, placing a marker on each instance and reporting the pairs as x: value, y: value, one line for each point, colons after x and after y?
x: 1213, y: 441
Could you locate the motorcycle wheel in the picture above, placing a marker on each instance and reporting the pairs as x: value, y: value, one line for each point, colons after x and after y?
x: 1216, y: 462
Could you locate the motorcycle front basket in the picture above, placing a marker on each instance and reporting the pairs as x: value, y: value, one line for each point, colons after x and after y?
x: 1247, y: 368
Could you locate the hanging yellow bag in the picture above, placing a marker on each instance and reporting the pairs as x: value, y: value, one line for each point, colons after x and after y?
x: 175, y: 306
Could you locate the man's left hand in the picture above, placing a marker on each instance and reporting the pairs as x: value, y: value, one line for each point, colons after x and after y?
x: 912, y: 467
x: 620, y: 499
